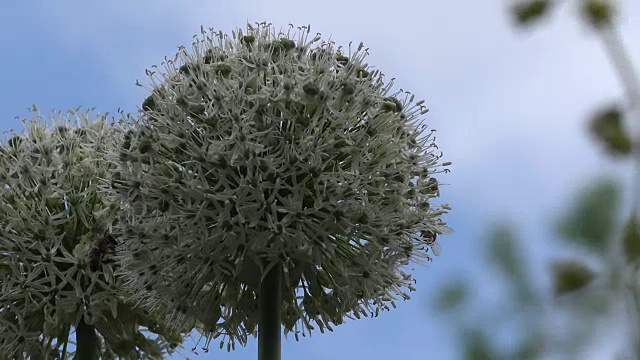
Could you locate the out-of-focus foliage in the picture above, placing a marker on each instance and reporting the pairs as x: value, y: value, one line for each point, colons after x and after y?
x: 527, y: 306
x: 520, y: 305
x: 478, y: 345
x: 453, y: 295
x: 587, y: 286
x: 606, y: 126
x: 528, y: 12
x: 570, y: 276
x: 632, y: 240
x: 598, y: 13
x: 590, y: 221
x: 503, y: 253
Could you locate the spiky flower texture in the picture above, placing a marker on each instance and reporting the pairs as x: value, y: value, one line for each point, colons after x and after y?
x: 268, y: 147
x: 53, y: 269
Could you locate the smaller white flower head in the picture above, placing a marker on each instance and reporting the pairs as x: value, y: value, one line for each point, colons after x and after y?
x: 52, y: 270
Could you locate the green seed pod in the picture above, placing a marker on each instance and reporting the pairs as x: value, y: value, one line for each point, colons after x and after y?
x: 311, y: 89
x: 276, y: 47
x: 362, y: 73
x: 149, y: 104
x: 397, y: 105
x: 348, y: 88
x: 145, y: 146
x: 223, y: 69
x: 186, y: 69
x: 388, y: 106
x: 344, y: 60
x: 248, y: 39
x: 287, y: 44
x: 196, y: 109
x: 15, y: 141
x: 210, y: 57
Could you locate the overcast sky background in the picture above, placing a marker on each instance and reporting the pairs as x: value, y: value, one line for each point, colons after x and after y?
x: 509, y: 106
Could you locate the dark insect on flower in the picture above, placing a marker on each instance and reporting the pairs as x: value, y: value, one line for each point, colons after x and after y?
x: 102, y: 245
x: 428, y: 236
x: 431, y: 238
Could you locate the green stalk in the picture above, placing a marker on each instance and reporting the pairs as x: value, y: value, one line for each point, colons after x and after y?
x: 65, y: 337
x: 66, y: 342
x: 86, y: 342
x: 269, y: 326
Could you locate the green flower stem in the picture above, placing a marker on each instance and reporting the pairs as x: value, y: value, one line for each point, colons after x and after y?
x: 86, y: 342
x: 66, y: 342
x: 269, y: 327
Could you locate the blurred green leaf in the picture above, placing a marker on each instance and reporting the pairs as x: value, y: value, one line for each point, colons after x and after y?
x: 452, y: 295
x: 590, y: 221
x: 478, y: 346
x: 529, y: 349
x: 503, y: 252
x: 606, y: 126
x: 526, y: 13
x: 570, y: 276
x: 598, y: 13
x: 632, y: 239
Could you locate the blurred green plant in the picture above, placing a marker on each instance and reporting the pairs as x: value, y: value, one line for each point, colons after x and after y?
x: 591, y: 219
x: 520, y: 305
x: 527, y: 306
x: 607, y: 128
x: 587, y: 286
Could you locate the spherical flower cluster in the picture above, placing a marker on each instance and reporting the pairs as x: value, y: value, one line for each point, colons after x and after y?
x: 54, y: 255
x: 264, y: 148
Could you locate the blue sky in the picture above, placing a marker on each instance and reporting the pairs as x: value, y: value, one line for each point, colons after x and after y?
x: 509, y: 107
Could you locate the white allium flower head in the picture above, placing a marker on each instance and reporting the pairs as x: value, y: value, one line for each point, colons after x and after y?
x: 265, y: 147
x: 53, y: 270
